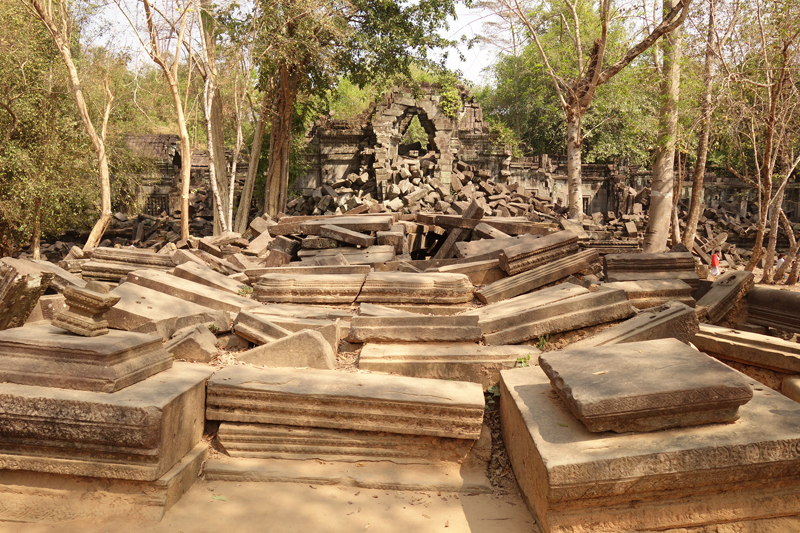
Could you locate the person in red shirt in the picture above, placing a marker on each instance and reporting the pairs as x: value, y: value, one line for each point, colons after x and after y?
x: 715, y: 264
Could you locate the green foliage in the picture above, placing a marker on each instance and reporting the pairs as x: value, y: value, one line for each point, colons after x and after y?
x: 213, y: 328
x: 504, y: 137
x: 542, y: 342
x: 416, y: 133
x: 491, y: 394
x: 245, y: 291
x: 522, y: 362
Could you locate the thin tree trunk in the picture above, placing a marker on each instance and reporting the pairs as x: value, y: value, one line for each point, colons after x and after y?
x: 280, y: 142
x: 655, y: 239
x: 186, y: 157
x: 676, y: 194
x: 234, y: 162
x: 793, y: 247
x: 243, y: 213
x: 702, y: 142
x: 219, y: 213
x: 574, y: 182
x: 37, y: 229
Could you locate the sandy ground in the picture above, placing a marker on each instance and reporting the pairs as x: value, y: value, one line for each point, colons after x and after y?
x: 218, y: 507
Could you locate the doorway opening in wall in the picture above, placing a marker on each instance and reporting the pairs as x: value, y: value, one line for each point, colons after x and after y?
x: 586, y: 202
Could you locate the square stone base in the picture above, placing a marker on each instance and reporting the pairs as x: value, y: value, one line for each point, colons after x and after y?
x: 36, y: 497
x: 580, y: 482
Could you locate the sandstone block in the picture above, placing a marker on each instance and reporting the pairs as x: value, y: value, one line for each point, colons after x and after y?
x: 196, y: 344
x: 362, y: 402
x: 414, y: 329
x: 407, y: 287
x: 309, y: 288
x: 302, y: 349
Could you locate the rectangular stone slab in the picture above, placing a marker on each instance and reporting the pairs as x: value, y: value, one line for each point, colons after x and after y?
x: 414, y: 329
x: 136, y: 433
x: 147, y: 311
x: 492, y: 316
x: 254, y: 273
x: 457, y: 361
x: 524, y: 256
x: 673, y: 319
x: 353, y: 223
x: 726, y: 290
x: 341, y: 234
x: 575, y: 480
x: 265, y: 441
x: 414, y: 288
x: 750, y: 348
x: 190, y: 291
x: 207, y: 276
x: 604, y: 305
x: 652, y: 292
x: 309, y: 288
x: 645, y: 386
x: 19, y: 291
x: 48, y: 356
x: 329, y: 399
x: 774, y: 308
x: 537, y: 277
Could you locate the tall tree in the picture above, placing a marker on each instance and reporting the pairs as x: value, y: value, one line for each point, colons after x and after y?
x: 55, y: 16
x: 576, y: 88
x: 662, y: 184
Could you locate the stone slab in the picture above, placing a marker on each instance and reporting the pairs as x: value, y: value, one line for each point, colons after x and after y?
x: 774, y: 308
x: 190, y: 291
x: 136, y: 433
x: 353, y: 223
x: 413, y: 288
x: 30, y: 497
x: 345, y: 235
x: 330, y: 328
x: 537, y: 277
x: 384, y: 475
x: 601, y: 306
x: 750, y: 348
x: 414, y: 329
x: 368, y: 309
x: 578, y: 481
x: 207, y: 276
x: 494, y: 315
x: 196, y: 344
x: 61, y: 278
x: 650, y: 293
x: 725, y: 292
x: 329, y: 399
x: 306, y: 349
x: 144, y: 310
x: 309, y: 288
x: 258, y: 329
x: 20, y: 289
x: 351, y: 256
x: 645, y: 386
x: 525, y: 256
x: 47, y: 356
x: 671, y: 320
x: 268, y: 441
x: 254, y: 273
x: 478, y: 272
x: 454, y: 361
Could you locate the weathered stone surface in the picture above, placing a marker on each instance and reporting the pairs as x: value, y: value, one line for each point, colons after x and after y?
x: 725, y: 292
x: 147, y: 311
x: 114, y: 264
x: 318, y: 243
x: 196, y: 344
x: 749, y: 348
x: 367, y: 309
x: 528, y: 255
x: 305, y: 348
x: 791, y: 387
x: 329, y: 327
x: 484, y: 249
x: 455, y: 361
x: 291, y: 442
x: 774, y: 308
x: 364, y: 402
x: 136, y: 433
x: 537, y: 277
x: 604, y: 305
x: 645, y: 386
x: 650, y: 293
x: 478, y: 272
x: 345, y: 235
x: 47, y: 356
x: 414, y: 329
x: 309, y: 288
x: 254, y: 273
x: 207, y: 276
x: 190, y: 291
x: 86, y: 310
x: 303, y: 311
x: 46, y: 309
x: 492, y: 316
x: 38, y: 497
x: 473, y: 211
x: 637, y: 267
x: 353, y: 223
x: 61, y: 278
x: 408, y: 287
x: 257, y: 329
x: 671, y: 320
x: 576, y: 481
x: 19, y: 292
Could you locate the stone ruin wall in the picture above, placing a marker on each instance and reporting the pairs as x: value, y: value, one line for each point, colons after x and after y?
x: 369, y: 146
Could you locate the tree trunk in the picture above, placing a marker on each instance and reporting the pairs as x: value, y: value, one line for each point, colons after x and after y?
x: 186, y: 157
x: 219, y: 215
x: 702, y: 142
x: 280, y: 142
x: 793, y: 248
x: 676, y: 195
x: 37, y: 229
x: 219, y: 161
x: 655, y: 239
x: 243, y: 212
x: 574, y: 184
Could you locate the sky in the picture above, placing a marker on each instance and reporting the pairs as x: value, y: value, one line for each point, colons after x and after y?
x: 481, y: 56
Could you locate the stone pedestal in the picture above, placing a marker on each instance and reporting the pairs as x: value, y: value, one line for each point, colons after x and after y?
x: 86, y: 311
x: 47, y: 356
x: 137, y: 433
x: 576, y: 481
